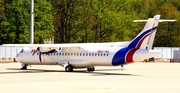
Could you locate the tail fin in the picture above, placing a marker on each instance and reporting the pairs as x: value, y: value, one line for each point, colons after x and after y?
x: 145, y: 38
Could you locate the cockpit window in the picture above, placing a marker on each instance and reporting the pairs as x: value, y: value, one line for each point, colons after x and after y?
x: 22, y: 51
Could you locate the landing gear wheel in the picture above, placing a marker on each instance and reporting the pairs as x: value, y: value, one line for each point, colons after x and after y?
x: 24, y: 66
x: 69, y: 68
x: 90, y: 69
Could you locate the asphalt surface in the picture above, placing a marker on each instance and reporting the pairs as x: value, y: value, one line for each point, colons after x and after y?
x: 135, y: 78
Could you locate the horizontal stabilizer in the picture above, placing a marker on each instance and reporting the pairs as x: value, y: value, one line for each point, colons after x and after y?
x: 142, y: 20
x: 153, y: 20
x: 167, y: 20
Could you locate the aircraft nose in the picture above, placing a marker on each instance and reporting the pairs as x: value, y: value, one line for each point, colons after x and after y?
x: 18, y: 57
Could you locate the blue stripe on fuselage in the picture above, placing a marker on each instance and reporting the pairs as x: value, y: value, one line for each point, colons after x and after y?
x: 119, y: 57
x: 134, y: 43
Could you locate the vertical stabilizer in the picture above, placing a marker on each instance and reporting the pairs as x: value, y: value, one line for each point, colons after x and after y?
x: 145, y: 38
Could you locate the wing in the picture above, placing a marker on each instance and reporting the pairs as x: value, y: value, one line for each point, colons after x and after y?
x: 62, y: 49
x: 76, y: 63
x: 49, y: 47
x: 105, y: 44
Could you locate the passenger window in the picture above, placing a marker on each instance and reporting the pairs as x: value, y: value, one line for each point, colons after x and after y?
x: 86, y: 54
x: 62, y: 54
x: 95, y: 54
x: 89, y: 54
x: 92, y: 54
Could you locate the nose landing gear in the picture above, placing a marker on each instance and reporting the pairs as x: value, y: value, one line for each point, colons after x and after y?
x: 24, y: 66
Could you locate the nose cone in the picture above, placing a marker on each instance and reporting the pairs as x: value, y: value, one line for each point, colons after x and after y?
x: 142, y: 54
x: 17, y: 57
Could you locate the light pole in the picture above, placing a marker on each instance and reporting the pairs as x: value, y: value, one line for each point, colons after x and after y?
x: 32, y: 22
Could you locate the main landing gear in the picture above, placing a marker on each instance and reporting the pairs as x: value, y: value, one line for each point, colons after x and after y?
x: 91, y: 69
x: 24, y: 66
x: 69, y: 68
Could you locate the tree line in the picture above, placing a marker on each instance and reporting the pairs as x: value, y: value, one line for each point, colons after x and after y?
x: 81, y: 21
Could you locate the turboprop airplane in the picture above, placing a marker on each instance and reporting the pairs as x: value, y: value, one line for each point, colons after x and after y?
x: 89, y: 55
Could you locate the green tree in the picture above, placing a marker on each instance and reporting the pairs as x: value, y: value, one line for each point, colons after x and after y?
x: 2, y: 16
x: 16, y: 24
x: 93, y: 20
x: 167, y: 34
x: 63, y: 19
x: 43, y: 21
x: 108, y: 20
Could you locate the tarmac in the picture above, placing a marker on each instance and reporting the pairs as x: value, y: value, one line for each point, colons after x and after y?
x: 135, y: 78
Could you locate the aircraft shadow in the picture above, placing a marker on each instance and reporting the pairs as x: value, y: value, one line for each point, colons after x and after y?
x: 109, y: 69
x: 98, y: 73
x: 28, y: 71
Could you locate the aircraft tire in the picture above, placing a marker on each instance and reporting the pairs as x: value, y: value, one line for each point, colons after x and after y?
x: 90, y: 69
x: 69, y: 68
x: 24, y: 67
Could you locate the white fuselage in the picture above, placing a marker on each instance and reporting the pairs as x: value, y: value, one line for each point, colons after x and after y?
x: 84, y: 56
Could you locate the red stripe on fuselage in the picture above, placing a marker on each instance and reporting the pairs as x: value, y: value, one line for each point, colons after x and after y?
x: 129, y: 56
x: 140, y: 42
x: 142, y: 39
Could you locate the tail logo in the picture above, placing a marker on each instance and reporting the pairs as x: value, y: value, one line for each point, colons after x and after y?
x: 123, y: 56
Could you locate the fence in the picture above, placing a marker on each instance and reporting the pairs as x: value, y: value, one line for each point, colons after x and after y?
x: 7, y: 53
